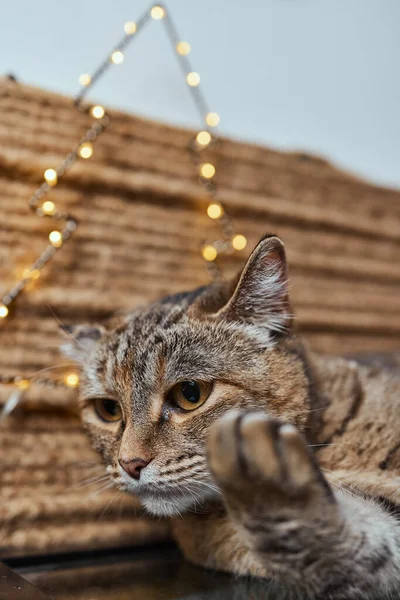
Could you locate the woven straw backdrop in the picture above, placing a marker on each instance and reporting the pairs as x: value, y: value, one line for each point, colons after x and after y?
x: 142, y: 222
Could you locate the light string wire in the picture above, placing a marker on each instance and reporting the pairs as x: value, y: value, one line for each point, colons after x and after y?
x: 206, y: 138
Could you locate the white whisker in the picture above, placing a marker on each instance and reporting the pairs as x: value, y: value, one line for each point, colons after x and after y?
x: 109, y: 505
x: 209, y: 485
x: 341, y: 485
x: 90, y: 481
x: 102, y: 488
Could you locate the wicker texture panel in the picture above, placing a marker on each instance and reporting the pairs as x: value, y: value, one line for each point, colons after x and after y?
x: 142, y: 222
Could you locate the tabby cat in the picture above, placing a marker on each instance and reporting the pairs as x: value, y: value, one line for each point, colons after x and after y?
x: 283, y: 464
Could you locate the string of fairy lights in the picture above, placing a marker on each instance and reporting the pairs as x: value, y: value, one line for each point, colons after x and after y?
x: 206, y: 138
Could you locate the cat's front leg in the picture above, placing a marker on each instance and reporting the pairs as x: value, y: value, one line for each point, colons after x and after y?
x: 297, y: 531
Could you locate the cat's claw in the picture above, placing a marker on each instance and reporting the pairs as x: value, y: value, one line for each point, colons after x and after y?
x: 251, y: 453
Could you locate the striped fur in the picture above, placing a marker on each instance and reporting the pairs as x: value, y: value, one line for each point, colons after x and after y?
x: 291, y: 468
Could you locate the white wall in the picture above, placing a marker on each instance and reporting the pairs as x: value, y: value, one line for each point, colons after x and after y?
x: 318, y: 75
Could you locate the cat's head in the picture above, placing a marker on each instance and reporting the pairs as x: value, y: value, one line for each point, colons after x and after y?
x: 153, y: 384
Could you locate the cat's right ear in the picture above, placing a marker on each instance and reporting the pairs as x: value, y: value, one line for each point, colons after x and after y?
x: 261, y: 296
x: 82, y: 340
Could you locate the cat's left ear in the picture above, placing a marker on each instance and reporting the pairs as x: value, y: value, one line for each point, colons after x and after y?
x: 261, y: 295
x: 82, y: 340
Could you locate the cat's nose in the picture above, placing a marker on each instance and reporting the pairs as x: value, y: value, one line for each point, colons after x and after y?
x: 134, y: 467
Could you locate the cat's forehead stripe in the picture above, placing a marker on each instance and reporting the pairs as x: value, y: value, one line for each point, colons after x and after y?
x: 123, y: 348
x: 132, y: 356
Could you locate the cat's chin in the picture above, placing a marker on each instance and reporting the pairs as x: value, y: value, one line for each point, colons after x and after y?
x: 163, y: 507
x: 174, y: 504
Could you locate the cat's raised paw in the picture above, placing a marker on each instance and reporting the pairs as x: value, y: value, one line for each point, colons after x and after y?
x: 251, y: 452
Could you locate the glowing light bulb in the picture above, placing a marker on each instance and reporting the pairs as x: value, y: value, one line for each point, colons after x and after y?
x: 31, y: 274
x: 207, y: 170
x: 55, y: 238
x: 239, y: 242
x: 85, y: 79
x: 130, y: 27
x: 212, y: 119
x: 85, y: 150
x: 215, y: 210
x: 71, y: 380
x: 193, y: 79
x: 203, y: 138
x: 209, y: 253
x: 24, y: 384
x: 3, y: 311
x: 157, y: 13
x: 48, y: 207
x: 183, y: 48
x: 50, y: 176
x: 97, y: 111
x: 117, y: 57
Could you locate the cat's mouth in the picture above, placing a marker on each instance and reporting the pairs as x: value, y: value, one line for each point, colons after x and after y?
x: 170, y: 500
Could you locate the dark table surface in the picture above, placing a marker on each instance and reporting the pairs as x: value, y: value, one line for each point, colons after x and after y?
x: 153, y: 573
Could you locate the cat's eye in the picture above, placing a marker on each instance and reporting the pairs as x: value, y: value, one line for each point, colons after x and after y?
x: 107, y: 409
x: 189, y: 395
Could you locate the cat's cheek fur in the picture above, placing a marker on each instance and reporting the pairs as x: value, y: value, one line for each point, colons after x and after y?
x: 105, y: 440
